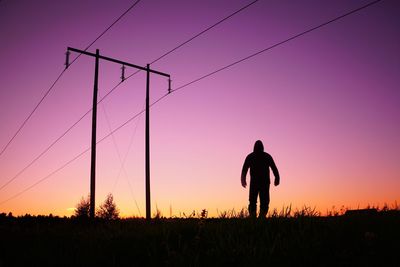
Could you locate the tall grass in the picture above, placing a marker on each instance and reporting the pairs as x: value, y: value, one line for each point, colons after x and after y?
x: 286, y: 211
x: 288, y: 237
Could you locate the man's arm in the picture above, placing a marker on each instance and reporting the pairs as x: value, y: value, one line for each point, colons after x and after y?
x: 245, y: 168
x: 276, y: 172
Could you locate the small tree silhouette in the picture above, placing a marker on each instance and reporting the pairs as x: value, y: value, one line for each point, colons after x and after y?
x: 108, y: 210
x: 82, y: 208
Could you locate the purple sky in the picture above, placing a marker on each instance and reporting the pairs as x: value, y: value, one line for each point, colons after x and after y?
x: 326, y: 105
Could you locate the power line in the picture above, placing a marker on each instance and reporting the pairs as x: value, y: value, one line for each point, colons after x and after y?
x: 45, y: 177
x: 266, y: 49
x: 204, y: 31
x: 112, y: 24
x: 49, y: 147
x: 277, y: 44
x: 58, y: 78
x: 33, y: 111
x: 194, y: 37
x: 109, y: 27
x: 194, y: 81
x: 72, y: 160
x: 122, y: 161
x: 116, y: 86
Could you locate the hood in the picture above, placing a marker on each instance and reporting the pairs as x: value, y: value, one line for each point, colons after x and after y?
x: 258, y: 146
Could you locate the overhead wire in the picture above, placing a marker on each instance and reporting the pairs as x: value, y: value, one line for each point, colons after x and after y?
x: 31, y: 113
x: 199, y: 79
x: 122, y: 160
x: 58, y: 78
x: 117, y: 85
x: 70, y: 161
x: 203, y: 31
x: 108, y: 28
x: 191, y: 39
x: 275, y: 45
x: 45, y: 177
x: 50, y: 146
x: 123, y: 168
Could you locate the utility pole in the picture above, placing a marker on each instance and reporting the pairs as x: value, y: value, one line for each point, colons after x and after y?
x: 148, y: 203
x: 97, y: 56
x: 93, y: 147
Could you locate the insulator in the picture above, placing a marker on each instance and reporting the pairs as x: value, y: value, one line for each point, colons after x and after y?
x: 67, y: 59
x: 169, y: 86
x: 123, y: 73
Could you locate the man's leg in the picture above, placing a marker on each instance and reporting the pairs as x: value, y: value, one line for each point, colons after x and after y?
x: 264, y: 200
x: 253, y: 193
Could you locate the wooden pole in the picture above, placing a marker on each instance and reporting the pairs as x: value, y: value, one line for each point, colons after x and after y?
x: 148, y: 204
x: 93, y: 152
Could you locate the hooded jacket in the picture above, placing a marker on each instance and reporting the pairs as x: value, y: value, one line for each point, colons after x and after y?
x: 259, y: 163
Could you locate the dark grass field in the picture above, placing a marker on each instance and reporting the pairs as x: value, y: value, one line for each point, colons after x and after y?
x: 354, y: 240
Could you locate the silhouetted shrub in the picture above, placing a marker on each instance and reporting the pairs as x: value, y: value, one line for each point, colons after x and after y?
x: 82, y: 208
x: 108, y: 210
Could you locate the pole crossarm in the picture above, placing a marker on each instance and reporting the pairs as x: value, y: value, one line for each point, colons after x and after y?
x: 118, y: 61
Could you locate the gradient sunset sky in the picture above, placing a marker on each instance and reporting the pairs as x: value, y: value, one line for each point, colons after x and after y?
x: 326, y: 104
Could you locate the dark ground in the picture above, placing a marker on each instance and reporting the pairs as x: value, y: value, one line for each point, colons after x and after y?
x: 354, y: 240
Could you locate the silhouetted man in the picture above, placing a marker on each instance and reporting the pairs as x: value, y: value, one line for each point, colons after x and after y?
x: 259, y: 163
